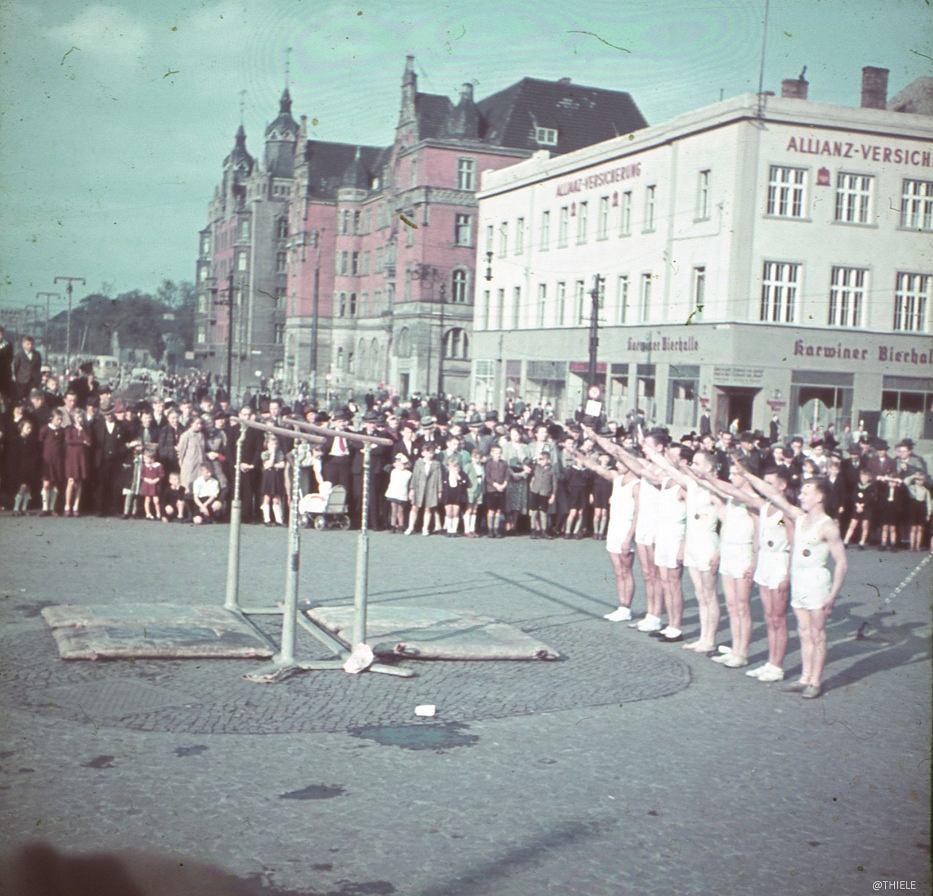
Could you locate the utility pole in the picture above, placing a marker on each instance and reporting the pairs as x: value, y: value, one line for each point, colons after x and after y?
x: 595, y: 293
x: 69, y: 288
x: 440, y: 366
x: 315, y: 307
x: 48, y: 296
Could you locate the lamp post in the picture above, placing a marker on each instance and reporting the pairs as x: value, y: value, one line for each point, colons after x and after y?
x: 595, y: 293
x: 69, y: 288
x: 443, y: 354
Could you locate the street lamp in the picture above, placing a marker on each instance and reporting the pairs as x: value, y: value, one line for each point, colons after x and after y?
x: 69, y: 288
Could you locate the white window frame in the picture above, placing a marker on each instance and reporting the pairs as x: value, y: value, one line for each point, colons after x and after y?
x: 546, y: 136
x: 698, y: 291
x: 703, y: 194
x: 490, y: 236
x: 516, y: 307
x: 560, y: 309
x: 583, y: 209
x: 847, y: 296
x: 911, y: 301
x: 563, y: 226
x: 917, y: 204
x: 459, y: 287
x: 500, y: 308
x: 780, y: 289
x: 787, y: 192
x: 463, y: 230
x: 644, y: 298
x: 466, y: 174
x: 542, y: 305
x: 625, y: 214
x: 854, y: 193
x: 651, y: 195
x: 579, y: 298
x: 545, y: 230
x: 503, y: 239
x: 622, y: 298
x: 602, y: 218
x: 519, y: 236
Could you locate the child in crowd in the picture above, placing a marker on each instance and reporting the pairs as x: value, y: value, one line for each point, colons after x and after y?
x: 273, y: 481
x: 453, y: 495
x: 77, y: 461
x: 476, y: 480
x: 600, y: 490
x: 424, y: 491
x: 577, y: 483
x: 862, y: 508
x: 174, y: 498
x: 150, y: 483
x: 205, y: 496
x: 497, y: 480
x: 52, y: 441
x: 397, y: 492
x: 542, y: 495
x: 23, y: 465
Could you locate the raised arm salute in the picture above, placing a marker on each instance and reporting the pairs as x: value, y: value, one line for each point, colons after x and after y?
x: 813, y: 590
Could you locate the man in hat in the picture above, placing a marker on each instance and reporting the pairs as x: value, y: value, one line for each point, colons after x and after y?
x: 378, y: 458
x: 27, y: 368
x: 109, y: 447
x: 39, y: 412
x: 912, y: 471
x: 84, y: 386
x: 748, y: 453
x: 337, y: 455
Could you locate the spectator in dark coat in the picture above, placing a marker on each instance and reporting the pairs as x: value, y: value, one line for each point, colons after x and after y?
x: 6, y: 367
x: 85, y: 385
x: 27, y: 368
x: 109, y: 448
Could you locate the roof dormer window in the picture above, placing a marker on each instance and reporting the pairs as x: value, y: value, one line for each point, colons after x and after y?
x: 546, y: 136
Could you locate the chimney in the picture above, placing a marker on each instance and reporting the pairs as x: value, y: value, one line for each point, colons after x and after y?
x: 794, y: 88
x: 466, y: 92
x: 563, y: 81
x: 874, y: 87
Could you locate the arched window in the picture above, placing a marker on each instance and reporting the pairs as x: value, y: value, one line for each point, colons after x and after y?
x: 374, y: 360
x: 281, y: 228
x: 361, y: 358
x: 340, y: 359
x: 456, y: 344
x: 403, y: 343
x: 458, y: 292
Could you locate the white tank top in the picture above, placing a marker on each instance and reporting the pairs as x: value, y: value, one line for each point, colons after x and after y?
x: 738, y: 526
x: 671, y: 510
x: 772, y: 531
x: 622, y: 501
x: 702, y: 515
x: 810, y: 550
x: 648, y: 498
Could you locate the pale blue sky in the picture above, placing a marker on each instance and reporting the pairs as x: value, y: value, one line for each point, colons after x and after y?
x: 109, y: 152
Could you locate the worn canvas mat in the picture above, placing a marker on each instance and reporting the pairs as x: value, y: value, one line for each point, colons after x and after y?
x: 430, y: 633
x: 151, y: 631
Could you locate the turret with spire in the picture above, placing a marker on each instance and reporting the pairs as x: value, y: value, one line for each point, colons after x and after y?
x: 463, y: 120
x: 281, y: 136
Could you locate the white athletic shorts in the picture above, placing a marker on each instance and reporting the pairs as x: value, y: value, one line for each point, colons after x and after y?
x: 772, y: 569
x: 735, y: 559
x: 615, y: 535
x: 668, y: 547
x: 699, y: 550
x: 809, y: 588
x: 645, y: 528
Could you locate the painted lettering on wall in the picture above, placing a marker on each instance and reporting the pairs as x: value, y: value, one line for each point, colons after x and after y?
x: 613, y: 175
x: 865, y: 152
x: 664, y: 344
x: 886, y: 354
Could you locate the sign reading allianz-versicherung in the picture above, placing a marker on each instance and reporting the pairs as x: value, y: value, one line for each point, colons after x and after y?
x: 599, y: 179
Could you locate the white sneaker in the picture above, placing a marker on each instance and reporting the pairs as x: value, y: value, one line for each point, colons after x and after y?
x: 620, y: 614
x: 735, y: 662
x: 771, y: 673
x: 754, y: 673
x: 650, y: 624
x: 724, y: 648
x: 722, y: 658
x: 636, y: 622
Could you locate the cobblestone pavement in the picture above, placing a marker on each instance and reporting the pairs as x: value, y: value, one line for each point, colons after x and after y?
x: 628, y: 766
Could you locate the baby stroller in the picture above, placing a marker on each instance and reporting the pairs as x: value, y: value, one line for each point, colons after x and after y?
x: 327, y: 509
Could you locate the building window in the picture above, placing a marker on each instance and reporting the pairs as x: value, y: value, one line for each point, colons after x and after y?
x: 917, y: 204
x: 644, y: 305
x: 484, y: 314
x: 563, y: 225
x: 500, y: 309
x: 602, y: 221
x: 649, y: 207
x: 458, y: 292
x: 846, y: 297
x: 910, y: 302
x: 546, y: 136
x: 202, y: 333
x: 241, y: 261
x: 466, y: 174
x: 205, y: 245
x: 351, y: 308
x: 344, y: 226
x: 545, y: 229
x: 414, y: 172
x: 490, y: 236
x: 380, y: 259
x: 853, y: 198
x: 786, y: 191
x: 281, y: 228
x: 281, y: 260
x: 244, y: 228
x: 344, y: 263
x: 503, y: 239
x: 407, y: 293
x: 354, y: 264
x: 462, y: 230
x: 278, y: 334
x: 818, y: 398
x: 364, y: 263
x: 561, y: 307
x: 699, y: 293
x: 516, y: 306
x: 457, y: 344
x: 349, y: 362
x: 342, y: 305
x: 356, y: 222
x: 906, y: 409
x: 622, y: 312
x: 364, y: 298
x: 625, y: 214
x: 519, y: 236
x: 579, y: 293
x: 703, y: 195
x: 542, y: 303
x: 582, y: 209
x: 403, y: 343
x: 780, y: 282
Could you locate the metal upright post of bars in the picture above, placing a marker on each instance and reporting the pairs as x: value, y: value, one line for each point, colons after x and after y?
x: 361, y: 586
x: 286, y: 655
x: 232, y: 599
x: 69, y: 288
x: 315, y: 306
x: 48, y: 296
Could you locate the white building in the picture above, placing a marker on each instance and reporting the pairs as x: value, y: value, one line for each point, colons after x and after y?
x: 763, y: 254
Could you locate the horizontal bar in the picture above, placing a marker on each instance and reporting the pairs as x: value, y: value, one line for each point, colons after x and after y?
x: 279, y: 431
x: 344, y: 434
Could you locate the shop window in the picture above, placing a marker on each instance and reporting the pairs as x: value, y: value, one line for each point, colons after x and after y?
x: 786, y: 192
x: 906, y: 409
x: 644, y: 389
x: 484, y: 382
x: 819, y: 398
x: 683, y: 389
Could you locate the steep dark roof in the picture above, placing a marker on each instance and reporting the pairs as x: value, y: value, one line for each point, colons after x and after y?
x: 432, y: 110
x: 239, y: 153
x: 329, y: 162
x: 357, y: 175
x: 283, y: 121
x: 581, y: 115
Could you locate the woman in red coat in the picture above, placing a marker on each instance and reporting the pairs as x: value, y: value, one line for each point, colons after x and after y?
x: 52, y: 443
x: 77, y: 460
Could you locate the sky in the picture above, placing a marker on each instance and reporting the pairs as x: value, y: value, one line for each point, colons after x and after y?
x: 115, y: 118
